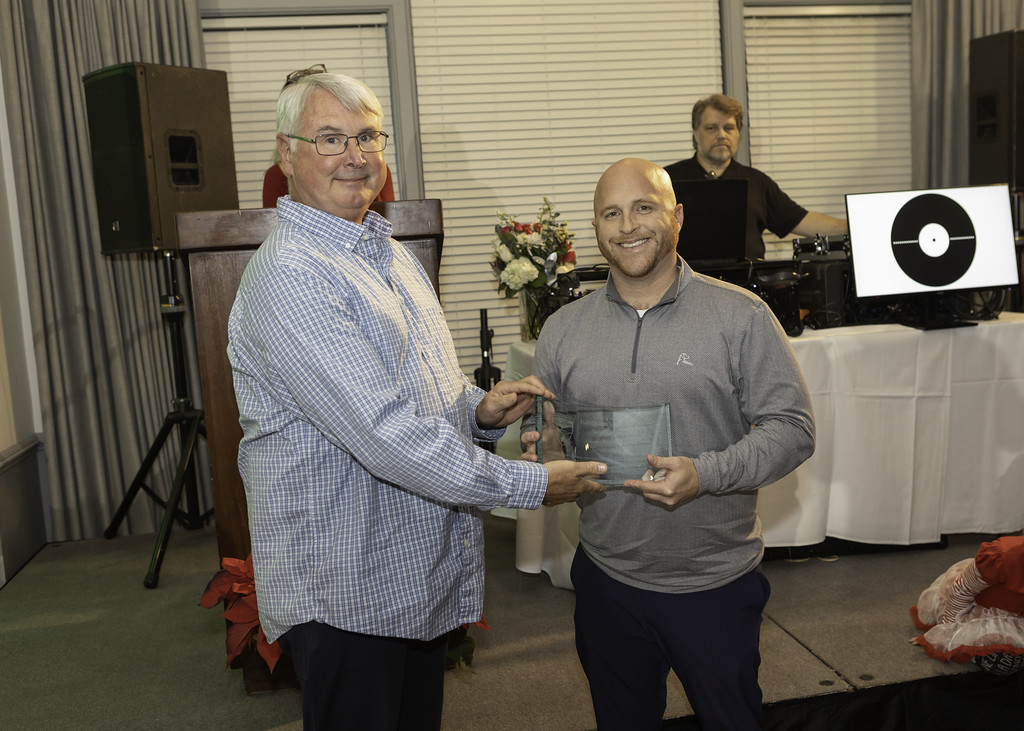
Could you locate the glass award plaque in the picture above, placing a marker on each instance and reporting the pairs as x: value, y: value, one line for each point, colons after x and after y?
x: 620, y: 437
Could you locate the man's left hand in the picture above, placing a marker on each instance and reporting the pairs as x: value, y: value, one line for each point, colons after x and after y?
x: 671, y: 480
x: 509, y: 401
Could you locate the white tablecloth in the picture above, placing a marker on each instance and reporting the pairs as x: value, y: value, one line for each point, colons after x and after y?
x: 919, y: 433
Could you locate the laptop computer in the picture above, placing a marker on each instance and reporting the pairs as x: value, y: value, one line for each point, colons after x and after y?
x: 714, y: 221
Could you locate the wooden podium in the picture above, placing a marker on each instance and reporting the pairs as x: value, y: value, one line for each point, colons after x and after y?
x: 218, y: 245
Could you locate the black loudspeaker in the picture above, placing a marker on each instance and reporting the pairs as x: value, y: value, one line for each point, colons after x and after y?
x: 161, y: 144
x: 823, y: 293
x: 996, y: 132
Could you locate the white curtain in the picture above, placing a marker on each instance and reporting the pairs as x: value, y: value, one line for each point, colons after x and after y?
x: 105, y: 369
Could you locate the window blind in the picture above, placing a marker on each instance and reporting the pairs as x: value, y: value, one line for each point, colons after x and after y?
x: 258, y: 53
x: 522, y: 100
x: 828, y: 102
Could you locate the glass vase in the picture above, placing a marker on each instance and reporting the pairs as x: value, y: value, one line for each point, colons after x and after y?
x: 531, y: 317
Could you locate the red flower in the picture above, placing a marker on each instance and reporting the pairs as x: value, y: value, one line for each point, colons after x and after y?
x: 568, y: 257
x: 536, y: 227
x: 235, y: 586
x: 506, y: 229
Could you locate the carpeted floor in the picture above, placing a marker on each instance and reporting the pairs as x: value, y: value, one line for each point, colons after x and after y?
x: 83, y: 645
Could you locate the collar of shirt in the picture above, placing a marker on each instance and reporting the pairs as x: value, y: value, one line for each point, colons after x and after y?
x: 682, y: 277
x: 332, y: 228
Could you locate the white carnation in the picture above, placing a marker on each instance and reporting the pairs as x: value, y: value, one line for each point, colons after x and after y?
x: 519, y: 273
x: 504, y: 253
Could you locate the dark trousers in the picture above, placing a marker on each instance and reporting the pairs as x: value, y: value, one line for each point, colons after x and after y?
x: 354, y: 681
x: 628, y: 638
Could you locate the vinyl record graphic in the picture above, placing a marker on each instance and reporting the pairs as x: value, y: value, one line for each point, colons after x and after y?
x: 933, y: 240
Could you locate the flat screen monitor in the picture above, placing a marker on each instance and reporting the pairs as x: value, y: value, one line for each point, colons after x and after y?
x: 920, y: 242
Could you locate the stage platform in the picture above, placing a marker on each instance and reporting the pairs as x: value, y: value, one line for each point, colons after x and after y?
x: 834, y: 645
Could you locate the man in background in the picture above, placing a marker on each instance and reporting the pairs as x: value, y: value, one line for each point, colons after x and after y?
x: 363, y: 483
x: 666, y: 573
x: 717, y: 122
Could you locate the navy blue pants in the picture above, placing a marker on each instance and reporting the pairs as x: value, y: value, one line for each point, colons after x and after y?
x: 629, y: 638
x: 354, y: 681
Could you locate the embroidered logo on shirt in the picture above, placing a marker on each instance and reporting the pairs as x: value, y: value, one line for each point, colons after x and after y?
x: 684, y: 359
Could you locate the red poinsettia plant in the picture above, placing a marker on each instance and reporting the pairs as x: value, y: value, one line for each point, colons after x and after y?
x: 235, y: 586
x: 461, y: 645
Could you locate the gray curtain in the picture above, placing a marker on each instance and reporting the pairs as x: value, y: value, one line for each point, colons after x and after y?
x: 105, y: 365
x: 941, y: 31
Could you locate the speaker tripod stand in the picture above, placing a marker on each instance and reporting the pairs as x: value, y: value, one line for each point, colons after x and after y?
x: 189, y: 422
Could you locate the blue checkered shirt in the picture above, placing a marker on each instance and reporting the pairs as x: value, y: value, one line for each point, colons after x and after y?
x: 363, y: 483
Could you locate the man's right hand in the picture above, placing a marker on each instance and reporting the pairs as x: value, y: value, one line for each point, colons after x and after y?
x: 567, y: 480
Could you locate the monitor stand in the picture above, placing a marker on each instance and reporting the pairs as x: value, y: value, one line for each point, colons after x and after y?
x: 923, y: 314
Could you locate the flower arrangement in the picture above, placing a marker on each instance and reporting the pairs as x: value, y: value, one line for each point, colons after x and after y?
x: 235, y: 585
x: 533, y: 255
x: 536, y: 262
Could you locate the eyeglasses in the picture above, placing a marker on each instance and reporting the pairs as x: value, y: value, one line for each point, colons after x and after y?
x: 333, y: 143
x: 296, y: 75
